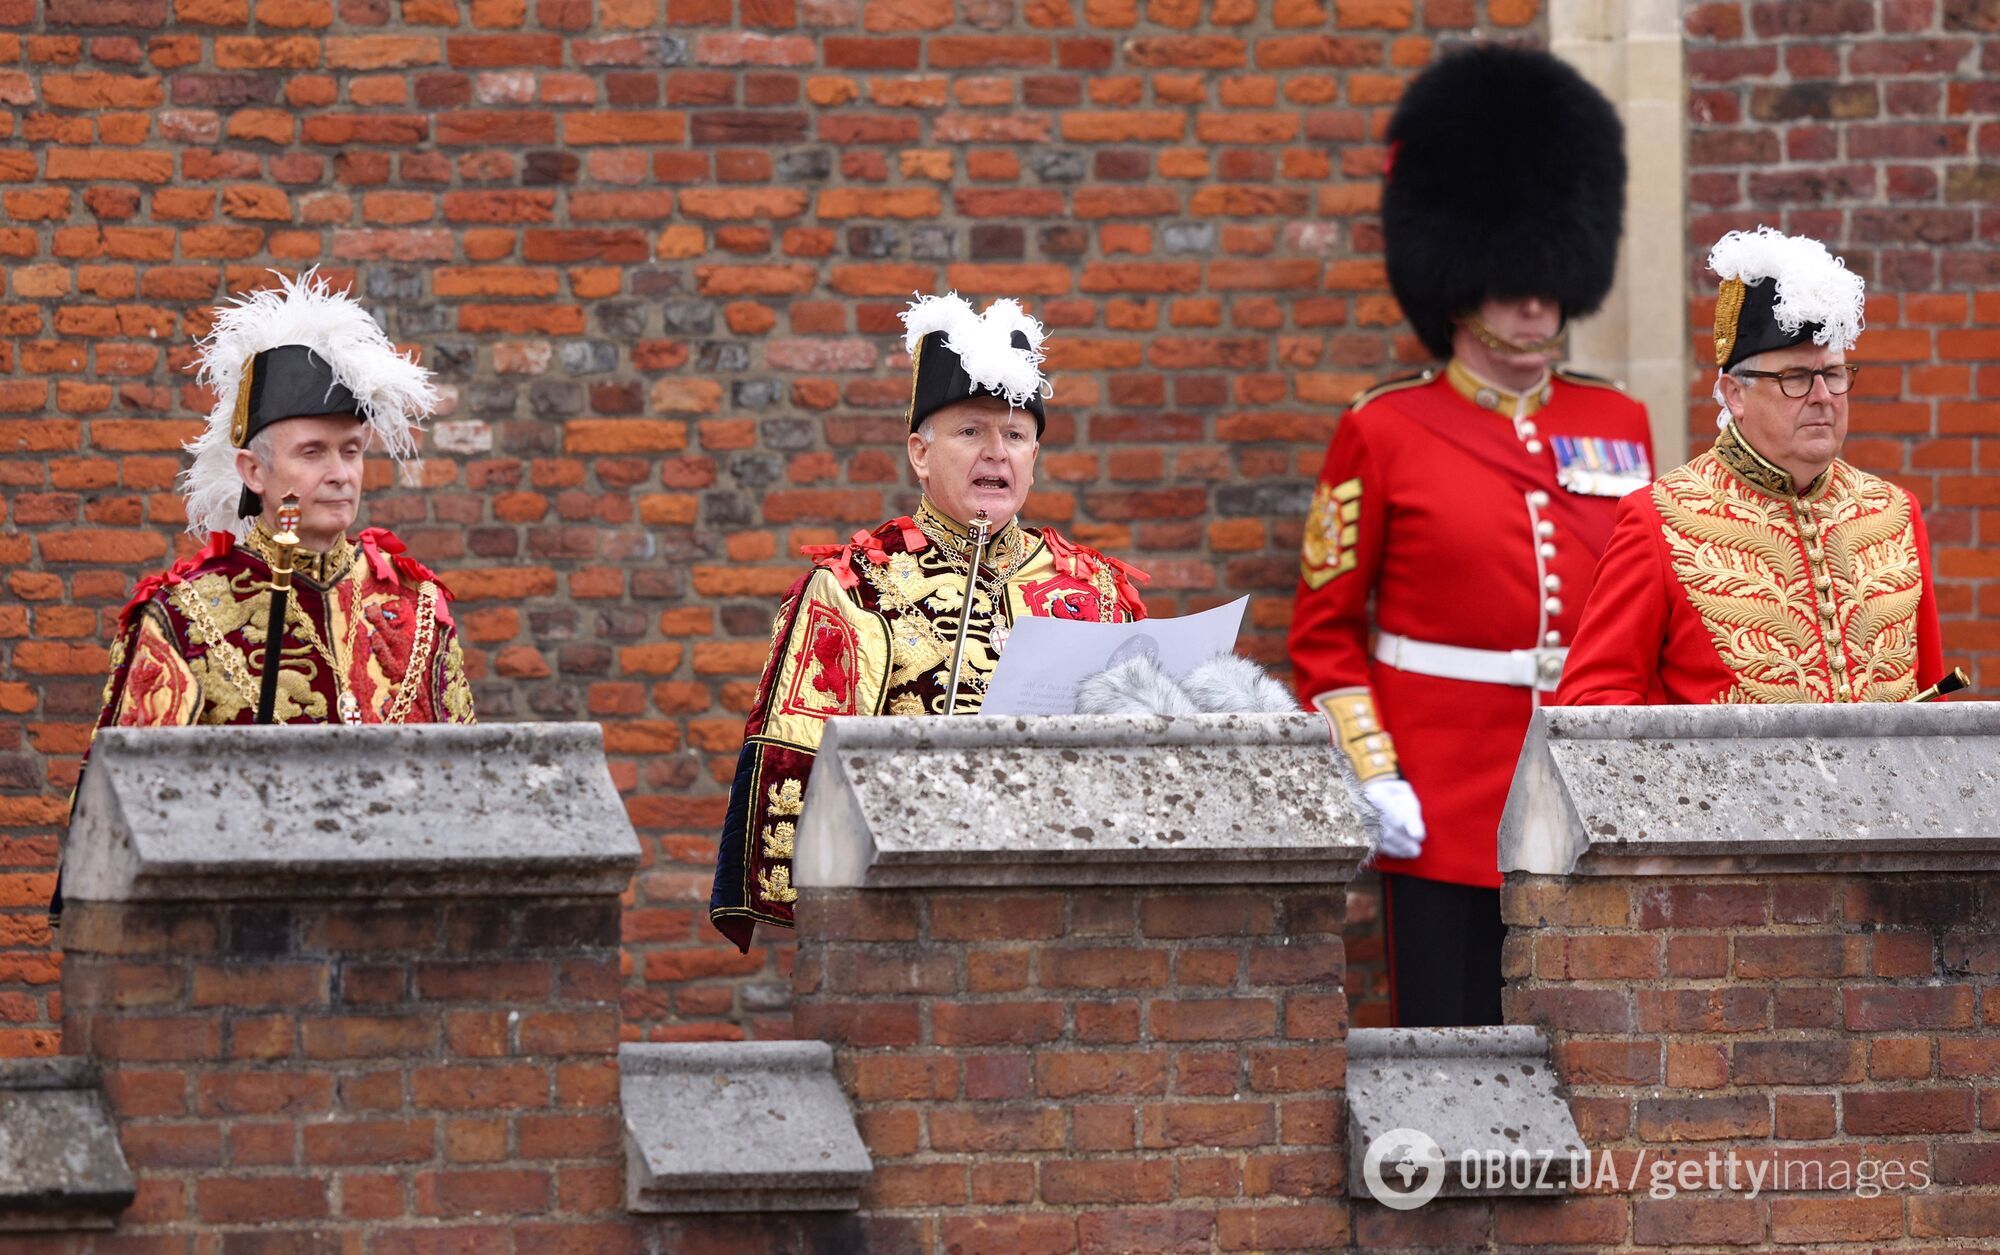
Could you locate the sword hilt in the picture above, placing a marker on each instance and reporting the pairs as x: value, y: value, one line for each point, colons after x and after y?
x: 1950, y: 684
x: 982, y: 527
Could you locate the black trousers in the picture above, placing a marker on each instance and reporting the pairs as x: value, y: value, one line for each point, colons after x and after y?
x: 1444, y: 952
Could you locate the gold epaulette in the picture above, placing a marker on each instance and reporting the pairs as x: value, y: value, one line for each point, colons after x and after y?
x: 1589, y: 381
x: 1387, y: 386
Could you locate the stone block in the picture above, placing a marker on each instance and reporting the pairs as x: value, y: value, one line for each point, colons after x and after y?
x: 205, y: 814
x: 1079, y: 800
x: 1484, y: 1097
x: 1659, y: 790
x: 738, y: 1126
x: 60, y: 1163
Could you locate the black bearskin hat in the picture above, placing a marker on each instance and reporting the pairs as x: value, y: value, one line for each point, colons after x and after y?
x: 1506, y: 178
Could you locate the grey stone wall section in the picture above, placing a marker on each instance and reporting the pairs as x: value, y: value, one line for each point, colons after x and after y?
x: 60, y: 1163
x: 1689, y: 790
x: 738, y: 1126
x: 1080, y: 799
x: 206, y: 814
x: 1488, y: 1093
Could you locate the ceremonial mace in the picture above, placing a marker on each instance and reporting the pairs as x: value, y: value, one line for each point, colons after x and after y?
x: 1950, y: 684
x: 286, y: 540
x: 981, y: 525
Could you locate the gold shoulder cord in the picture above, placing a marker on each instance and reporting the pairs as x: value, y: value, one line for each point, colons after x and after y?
x: 420, y: 653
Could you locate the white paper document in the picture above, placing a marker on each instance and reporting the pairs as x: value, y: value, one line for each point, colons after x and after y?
x: 1046, y: 659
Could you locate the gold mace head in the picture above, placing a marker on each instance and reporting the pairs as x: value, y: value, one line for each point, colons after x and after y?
x: 288, y: 520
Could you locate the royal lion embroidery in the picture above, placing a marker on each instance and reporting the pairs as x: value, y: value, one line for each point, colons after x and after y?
x: 824, y: 686
x: 787, y: 797
x: 160, y: 689
x: 1062, y: 597
x: 775, y: 885
x: 1806, y: 600
x: 1332, y: 529
x: 778, y: 838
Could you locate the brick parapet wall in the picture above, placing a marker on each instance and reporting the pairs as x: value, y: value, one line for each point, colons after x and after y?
x: 654, y: 246
x: 320, y: 1076
x: 1091, y: 1069
x: 653, y: 249
x: 1813, y: 1020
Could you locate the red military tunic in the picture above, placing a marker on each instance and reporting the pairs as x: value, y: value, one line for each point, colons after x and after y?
x: 1455, y: 521
x: 1723, y: 584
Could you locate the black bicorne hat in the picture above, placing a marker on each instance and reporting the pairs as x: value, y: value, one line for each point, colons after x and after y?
x: 1778, y: 290
x: 938, y: 379
x: 956, y: 353
x: 1506, y: 178
x: 290, y: 381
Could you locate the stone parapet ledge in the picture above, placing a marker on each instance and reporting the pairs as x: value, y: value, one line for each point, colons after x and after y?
x: 1485, y: 1098
x: 60, y: 1163
x: 1080, y: 800
x: 738, y: 1126
x: 437, y: 811
x: 1683, y: 790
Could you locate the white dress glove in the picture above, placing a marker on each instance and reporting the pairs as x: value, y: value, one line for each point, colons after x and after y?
x: 1402, y: 834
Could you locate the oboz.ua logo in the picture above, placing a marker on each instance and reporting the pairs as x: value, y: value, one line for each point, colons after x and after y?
x: 1403, y: 1169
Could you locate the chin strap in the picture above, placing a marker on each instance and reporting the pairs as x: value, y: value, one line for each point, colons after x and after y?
x: 1500, y: 344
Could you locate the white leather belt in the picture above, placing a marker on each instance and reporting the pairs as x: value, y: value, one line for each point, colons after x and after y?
x: 1522, y: 668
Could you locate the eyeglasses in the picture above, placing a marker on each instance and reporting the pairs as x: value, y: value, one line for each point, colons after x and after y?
x: 1797, y: 383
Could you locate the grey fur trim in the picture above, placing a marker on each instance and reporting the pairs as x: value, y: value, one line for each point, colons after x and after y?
x: 1137, y: 687
x: 1228, y: 684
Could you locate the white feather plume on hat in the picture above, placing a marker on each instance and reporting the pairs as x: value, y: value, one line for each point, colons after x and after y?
x: 984, y: 343
x: 1814, y: 286
x: 394, y: 393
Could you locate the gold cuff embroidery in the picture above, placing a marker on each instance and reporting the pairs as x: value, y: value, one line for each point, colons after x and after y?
x: 1358, y: 732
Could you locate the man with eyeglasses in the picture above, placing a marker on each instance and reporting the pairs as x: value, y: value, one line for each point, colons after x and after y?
x: 1766, y: 570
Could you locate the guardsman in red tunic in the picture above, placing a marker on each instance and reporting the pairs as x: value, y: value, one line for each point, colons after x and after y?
x: 305, y: 383
x: 1766, y: 569
x: 1467, y: 505
x: 870, y: 629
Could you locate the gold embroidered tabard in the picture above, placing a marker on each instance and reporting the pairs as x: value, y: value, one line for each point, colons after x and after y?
x: 1808, y: 597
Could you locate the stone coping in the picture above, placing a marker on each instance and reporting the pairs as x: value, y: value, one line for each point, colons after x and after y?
x: 435, y: 810
x: 60, y: 1163
x: 1484, y: 1097
x: 1080, y: 799
x: 738, y: 1126
x: 1718, y: 790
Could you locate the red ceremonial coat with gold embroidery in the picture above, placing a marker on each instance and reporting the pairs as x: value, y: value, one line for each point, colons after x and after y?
x: 870, y: 632
x: 1723, y: 584
x: 365, y: 623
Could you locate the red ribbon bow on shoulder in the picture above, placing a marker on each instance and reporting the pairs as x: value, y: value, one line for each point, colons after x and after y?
x: 389, y: 561
x: 839, y: 559
x: 218, y: 544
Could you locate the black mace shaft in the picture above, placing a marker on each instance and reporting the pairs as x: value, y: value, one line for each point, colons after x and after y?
x: 286, y: 540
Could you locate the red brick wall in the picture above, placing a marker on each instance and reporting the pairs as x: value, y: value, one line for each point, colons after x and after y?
x: 1876, y: 127
x: 1096, y: 1069
x: 1813, y: 1021
x: 655, y: 248
x: 442, y: 1076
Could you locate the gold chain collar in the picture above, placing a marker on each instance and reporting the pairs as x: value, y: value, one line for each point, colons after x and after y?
x: 1004, y: 552
x: 322, y: 570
